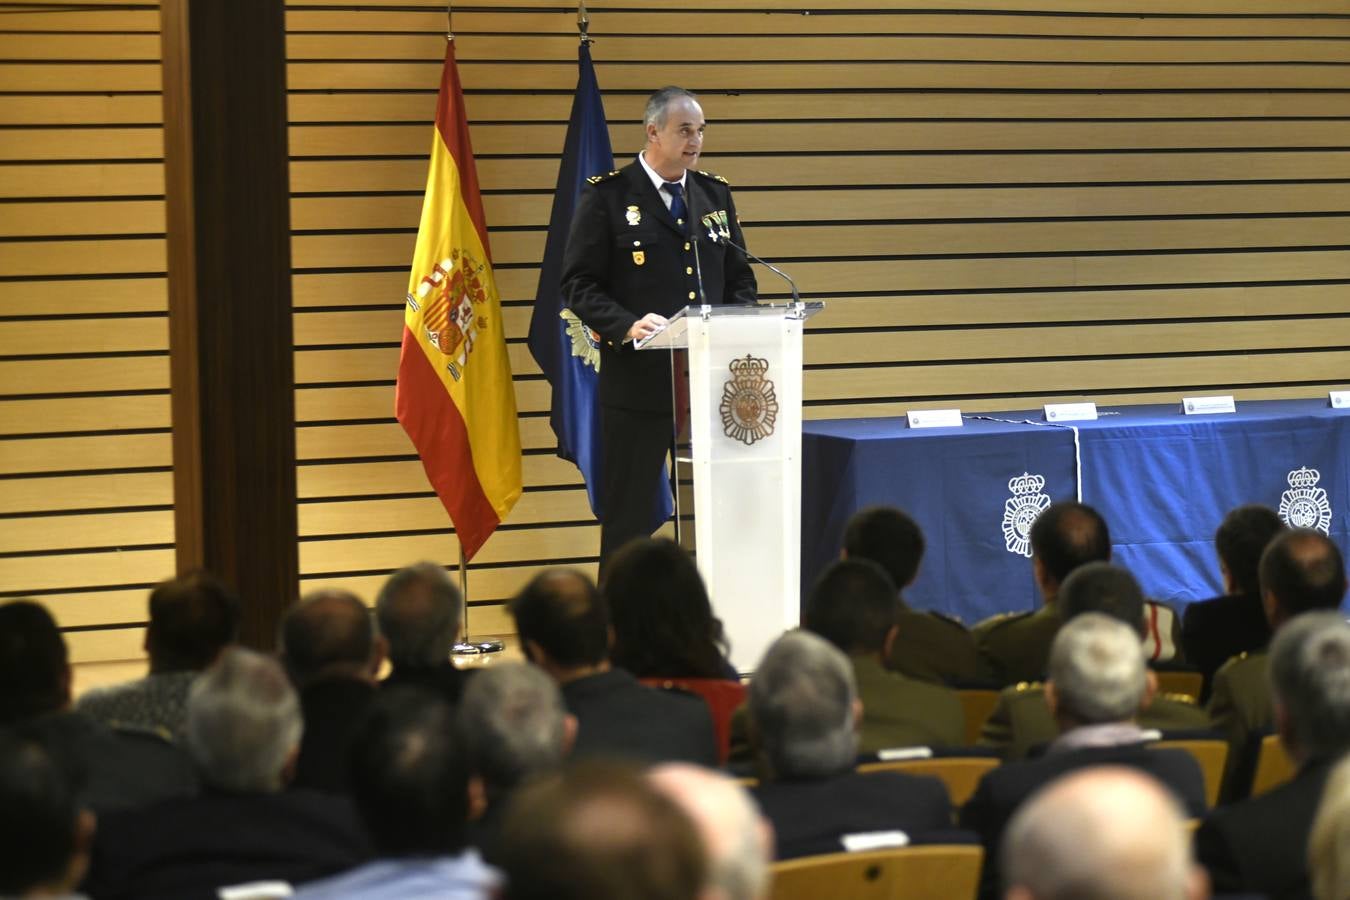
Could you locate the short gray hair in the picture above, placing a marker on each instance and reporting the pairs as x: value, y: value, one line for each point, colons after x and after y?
x: 801, y: 701
x: 243, y: 722
x: 658, y: 104
x: 512, y: 718
x: 1105, y: 833
x: 735, y: 835
x: 419, y: 610
x: 1329, y: 843
x: 1097, y: 668
x: 1310, y: 675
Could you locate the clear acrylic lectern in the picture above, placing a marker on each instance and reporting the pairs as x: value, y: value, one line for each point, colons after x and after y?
x: 744, y: 414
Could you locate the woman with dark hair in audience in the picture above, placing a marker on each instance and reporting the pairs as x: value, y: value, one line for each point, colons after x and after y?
x: 663, y: 622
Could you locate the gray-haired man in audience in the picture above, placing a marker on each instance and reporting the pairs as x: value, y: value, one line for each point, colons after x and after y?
x: 804, y: 712
x: 1101, y: 834
x: 514, y: 726
x: 419, y: 611
x: 243, y: 731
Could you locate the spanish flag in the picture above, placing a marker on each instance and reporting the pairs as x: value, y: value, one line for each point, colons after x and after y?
x: 454, y: 396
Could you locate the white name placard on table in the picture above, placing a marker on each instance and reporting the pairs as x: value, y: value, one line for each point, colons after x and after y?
x: 1070, y: 412
x: 1340, y: 399
x: 1207, y: 406
x: 934, y: 418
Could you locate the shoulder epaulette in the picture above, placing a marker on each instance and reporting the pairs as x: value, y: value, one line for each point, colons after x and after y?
x: 1179, y: 698
x: 596, y: 179
x: 948, y: 619
x: 1024, y: 686
x: 710, y: 175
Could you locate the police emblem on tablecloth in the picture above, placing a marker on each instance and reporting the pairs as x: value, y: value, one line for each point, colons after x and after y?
x: 447, y: 298
x: 1020, y: 511
x: 749, y: 407
x: 585, y: 343
x: 1305, y: 505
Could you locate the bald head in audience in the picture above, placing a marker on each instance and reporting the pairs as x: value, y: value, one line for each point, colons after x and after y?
x: 1064, y: 537
x: 600, y: 832
x: 1101, y: 834
x: 1300, y: 571
x: 329, y: 634
x: 737, y: 840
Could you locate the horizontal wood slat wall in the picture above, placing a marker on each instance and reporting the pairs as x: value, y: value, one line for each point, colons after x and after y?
x: 1002, y: 202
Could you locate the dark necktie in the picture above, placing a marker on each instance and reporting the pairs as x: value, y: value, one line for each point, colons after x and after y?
x: 677, y: 208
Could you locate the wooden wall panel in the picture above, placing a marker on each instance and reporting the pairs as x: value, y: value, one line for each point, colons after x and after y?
x: 1002, y: 202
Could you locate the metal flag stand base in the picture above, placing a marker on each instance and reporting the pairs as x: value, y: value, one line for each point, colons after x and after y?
x: 467, y: 647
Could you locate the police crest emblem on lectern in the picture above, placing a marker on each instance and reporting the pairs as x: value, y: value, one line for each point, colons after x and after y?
x: 1305, y: 505
x: 1020, y: 511
x: 749, y: 407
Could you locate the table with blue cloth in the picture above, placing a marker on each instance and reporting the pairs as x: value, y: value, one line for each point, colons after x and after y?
x: 1162, y: 480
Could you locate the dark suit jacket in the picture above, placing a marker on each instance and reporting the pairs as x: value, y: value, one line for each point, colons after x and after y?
x: 1212, y: 631
x: 1261, y: 845
x: 618, y: 717
x: 1004, y: 789
x: 186, y: 849
x: 332, y: 709
x: 627, y: 257
x: 810, y: 816
x: 446, y: 680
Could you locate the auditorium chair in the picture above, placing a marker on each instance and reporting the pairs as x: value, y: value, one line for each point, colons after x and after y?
x: 1273, y: 765
x: 978, y: 703
x: 1210, y: 752
x: 959, y: 770
x: 926, y: 872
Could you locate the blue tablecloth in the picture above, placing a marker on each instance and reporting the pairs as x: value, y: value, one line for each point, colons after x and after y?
x: 1162, y: 480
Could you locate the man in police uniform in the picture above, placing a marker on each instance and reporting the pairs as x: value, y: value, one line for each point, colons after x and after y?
x: 639, y: 241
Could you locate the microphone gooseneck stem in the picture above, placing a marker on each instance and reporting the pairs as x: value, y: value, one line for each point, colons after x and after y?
x: 725, y: 237
x: 698, y: 271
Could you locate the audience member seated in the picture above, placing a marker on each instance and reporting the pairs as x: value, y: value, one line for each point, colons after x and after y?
x: 332, y: 653
x: 243, y: 731
x: 419, y: 611
x: 192, y: 618
x: 1300, y: 571
x: 1014, y: 647
x: 563, y: 624
x: 1213, y: 631
x: 600, y: 832
x: 1329, y: 843
x: 737, y: 840
x: 928, y: 645
x: 1261, y: 845
x: 44, y: 833
x: 804, y: 712
x: 852, y: 605
x: 515, y: 727
x: 1022, y: 722
x: 663, y: 622
x: 410, y: 783
x: 110, y: 768
x: 1105, y: 833
x: 1098, y: 683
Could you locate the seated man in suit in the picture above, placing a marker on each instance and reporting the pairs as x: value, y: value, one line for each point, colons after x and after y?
x: 1107, y: 832
x: 928, y: 646
x: 1300, y: 571
x: 1260, y: 845
x: 192, y: 618
x: 1014, y: 647
x: 332, y: 653
x: 563, y: 625
x: 1212, y: 631
x: 852, y: 605
x: 600, y: 832
x: 419, y: 611
x: 410, y: 783
x: 1098, y: 683
x: 515, y: 727
x: 804, y: 712
x: 112, y: 768
x: 243, y: 732
x: 1022, y: 722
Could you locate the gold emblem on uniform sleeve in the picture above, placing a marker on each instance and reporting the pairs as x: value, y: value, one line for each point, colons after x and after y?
x: 639, y: 257
x: 634, y: 216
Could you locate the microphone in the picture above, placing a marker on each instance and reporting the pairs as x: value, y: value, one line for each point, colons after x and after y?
x: 721, y: 235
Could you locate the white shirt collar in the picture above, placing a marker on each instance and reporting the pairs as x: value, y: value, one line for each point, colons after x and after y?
x: 657, y: 180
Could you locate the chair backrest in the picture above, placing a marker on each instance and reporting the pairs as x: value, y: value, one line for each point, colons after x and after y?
x: 1273, y: 765
x: 1210, y: 753
x: 978, y: 703
x: 928, y: 872
x: 722, y: 695
x: 1180, y: 681
x: 961, y: 774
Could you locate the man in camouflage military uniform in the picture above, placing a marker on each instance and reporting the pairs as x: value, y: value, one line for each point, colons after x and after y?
x: 1014, y: 647
x: 638, y: 243
x: 1023, y: 720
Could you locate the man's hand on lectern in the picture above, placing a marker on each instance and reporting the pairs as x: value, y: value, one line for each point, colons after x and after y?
x: 647, y: 326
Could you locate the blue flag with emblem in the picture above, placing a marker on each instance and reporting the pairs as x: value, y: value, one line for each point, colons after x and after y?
x: 568, y: 352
